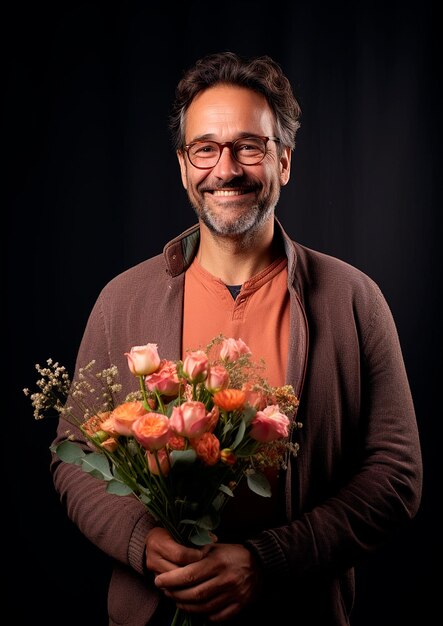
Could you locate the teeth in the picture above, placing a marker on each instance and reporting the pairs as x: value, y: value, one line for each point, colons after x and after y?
x: 227, y: 192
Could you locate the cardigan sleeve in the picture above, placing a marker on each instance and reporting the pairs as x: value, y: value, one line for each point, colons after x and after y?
x: 116, y: 524
x: 383, y: 490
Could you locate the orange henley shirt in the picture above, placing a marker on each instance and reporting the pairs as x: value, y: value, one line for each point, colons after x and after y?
x: 260, y: 316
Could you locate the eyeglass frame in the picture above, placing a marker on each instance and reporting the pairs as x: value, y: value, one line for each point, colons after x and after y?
x: 228, y: 144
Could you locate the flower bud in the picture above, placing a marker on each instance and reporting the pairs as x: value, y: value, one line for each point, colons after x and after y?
x: 143, y: 360
x: 195, y: 366
x: 227, y: 456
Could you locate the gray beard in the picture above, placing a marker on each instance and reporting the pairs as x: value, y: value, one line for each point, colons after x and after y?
x: 246, y: 224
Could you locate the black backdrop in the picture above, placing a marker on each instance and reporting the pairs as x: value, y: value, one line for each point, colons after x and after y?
x: 93, y: 187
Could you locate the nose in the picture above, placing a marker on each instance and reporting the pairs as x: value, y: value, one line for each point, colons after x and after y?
x: 227, y: 167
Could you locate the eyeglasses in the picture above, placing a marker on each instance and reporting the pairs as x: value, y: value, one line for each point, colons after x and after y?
x: 245, y: 150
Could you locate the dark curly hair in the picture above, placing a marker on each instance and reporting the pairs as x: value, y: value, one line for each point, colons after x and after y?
x: 261, y: 74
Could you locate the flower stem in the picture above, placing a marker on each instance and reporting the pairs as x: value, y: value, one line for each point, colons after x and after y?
x: 143, y: 390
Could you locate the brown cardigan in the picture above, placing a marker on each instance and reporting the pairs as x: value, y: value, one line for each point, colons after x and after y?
x: 358, y: 473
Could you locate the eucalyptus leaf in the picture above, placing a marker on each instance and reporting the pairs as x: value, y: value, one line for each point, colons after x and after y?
x: 219, y: 501
x: 201, y: 538
x: 209, y: 521
x: 133, y: 447
x: 97, y: 465
x: 183, y: 456
x: 69, y: 452
x: 248, y: 414
x: 226, y: 490
x: 258, y: 483
x: 240, y: 435
x: 227, y: 428
x: 118, y: 488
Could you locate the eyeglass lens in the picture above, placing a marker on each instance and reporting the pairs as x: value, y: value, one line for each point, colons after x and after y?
x: 248, y: 151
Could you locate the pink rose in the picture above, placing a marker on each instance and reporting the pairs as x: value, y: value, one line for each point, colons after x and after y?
x: 165, y: 380
x: 232, y: 349
x: 213, y: 417
x: 195, y: 366
x: 190, y: 419
x: 152, y: 430
x: 122, y: 418
x: 143, y: 360
x: 218, y: 378
x: 256, y: 398
x: 269, y: 424
x: 160, y: 465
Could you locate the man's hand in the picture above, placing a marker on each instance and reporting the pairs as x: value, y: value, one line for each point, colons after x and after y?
x: 164, y: 554
x: 219, y: 580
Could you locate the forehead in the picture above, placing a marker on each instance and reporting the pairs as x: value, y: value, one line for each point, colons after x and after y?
x: 226, y: 110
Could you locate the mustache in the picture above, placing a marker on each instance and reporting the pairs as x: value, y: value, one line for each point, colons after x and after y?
x: 235, y: 183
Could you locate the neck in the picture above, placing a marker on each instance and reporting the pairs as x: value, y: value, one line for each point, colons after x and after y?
x: 236, y: 260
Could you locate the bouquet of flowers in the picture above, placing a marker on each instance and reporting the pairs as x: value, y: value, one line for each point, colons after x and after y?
x: 184, y: 440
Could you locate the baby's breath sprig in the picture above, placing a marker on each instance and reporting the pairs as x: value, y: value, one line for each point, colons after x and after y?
x: 54, y: 384
x: 286, y: 399
x: 92, y: 392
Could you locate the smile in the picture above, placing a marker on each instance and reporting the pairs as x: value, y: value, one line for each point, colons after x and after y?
x: 228, y: 192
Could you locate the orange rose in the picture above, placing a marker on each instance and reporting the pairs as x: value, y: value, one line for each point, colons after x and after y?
x: 110, y: 444
x: 175, y: 442
x: 95, y: 422
x: 125, y: 415
x: 230, y: 399
x: 152, y: 430
x: 207, y: 448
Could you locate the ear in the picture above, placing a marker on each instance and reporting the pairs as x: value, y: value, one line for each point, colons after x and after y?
x: 285, y: 166
x: 182, y: 162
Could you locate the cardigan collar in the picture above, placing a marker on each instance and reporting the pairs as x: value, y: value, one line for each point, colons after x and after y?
x: 180, y: 251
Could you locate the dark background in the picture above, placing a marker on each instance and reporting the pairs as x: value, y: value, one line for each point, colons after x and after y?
x: 92, y: 187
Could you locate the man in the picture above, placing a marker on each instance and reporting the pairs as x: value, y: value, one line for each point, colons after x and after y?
x: 319, y: 324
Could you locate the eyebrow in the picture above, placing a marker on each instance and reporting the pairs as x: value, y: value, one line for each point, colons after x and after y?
x: 212, y: 136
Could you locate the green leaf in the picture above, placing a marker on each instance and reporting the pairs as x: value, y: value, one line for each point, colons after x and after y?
x: 219, y: 501
x: 239, y: 436
x: 227, y: 428
x: 201, y: 537
x: 209, y: 521
x: 145, y: 499
x: 226, y: 490
x: 97, y: 465
x: 248, y: 414
x: 258, y: 483
x: 183, y: 456
x: 69, y: 452
x: 117, y: 474
x: 118, y: 488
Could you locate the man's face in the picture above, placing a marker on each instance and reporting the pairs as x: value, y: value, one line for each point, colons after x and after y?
x: 231, y: 198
